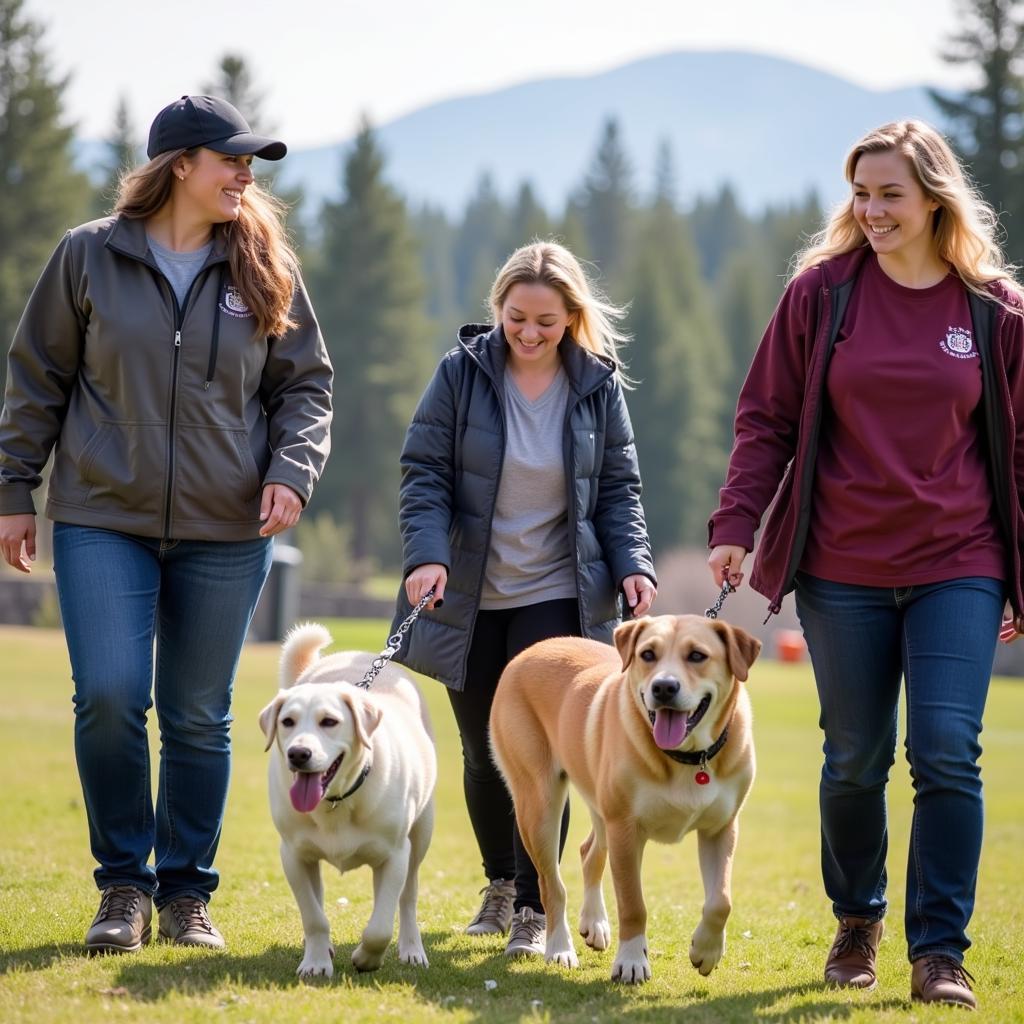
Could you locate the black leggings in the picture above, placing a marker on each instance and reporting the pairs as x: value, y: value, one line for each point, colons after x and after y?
x: 497, y: 638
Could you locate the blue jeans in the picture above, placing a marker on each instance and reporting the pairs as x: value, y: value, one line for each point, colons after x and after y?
x: 940, y: 637
x: 118, y: 594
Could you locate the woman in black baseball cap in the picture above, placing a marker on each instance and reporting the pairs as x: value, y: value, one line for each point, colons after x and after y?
x: 170, y: 359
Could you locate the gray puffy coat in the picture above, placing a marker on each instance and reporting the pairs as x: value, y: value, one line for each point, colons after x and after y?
x: 451, y: 465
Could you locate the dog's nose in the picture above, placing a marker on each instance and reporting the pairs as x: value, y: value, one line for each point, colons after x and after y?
x: 299, y: 756
x: 665, y: 690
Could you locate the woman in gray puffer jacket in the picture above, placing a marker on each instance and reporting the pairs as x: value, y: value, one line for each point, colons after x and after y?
x: 520, y: 504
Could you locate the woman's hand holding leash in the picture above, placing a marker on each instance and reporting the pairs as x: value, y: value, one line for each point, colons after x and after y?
x: 1011, y: 629
x: 16, y: 532
x: 725, y: 562
x: 640, y: 594
x: 421, y: 579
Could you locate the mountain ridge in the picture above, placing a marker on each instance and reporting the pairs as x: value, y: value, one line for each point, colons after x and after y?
x: 772, y: 128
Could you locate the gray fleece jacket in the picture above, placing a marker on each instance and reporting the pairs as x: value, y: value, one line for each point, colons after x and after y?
x: 166, y: 420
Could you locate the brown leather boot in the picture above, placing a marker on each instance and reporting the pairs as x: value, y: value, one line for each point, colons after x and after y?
x: 941, y: 979
x: 851, y: 960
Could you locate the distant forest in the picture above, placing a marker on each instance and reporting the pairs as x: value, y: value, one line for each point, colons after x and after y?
x: 391, y: 284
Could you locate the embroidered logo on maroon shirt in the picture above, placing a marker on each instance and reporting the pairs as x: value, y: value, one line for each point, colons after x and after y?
x: 958, y: 344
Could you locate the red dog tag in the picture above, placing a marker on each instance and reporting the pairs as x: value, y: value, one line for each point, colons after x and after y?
x: 702, y: 778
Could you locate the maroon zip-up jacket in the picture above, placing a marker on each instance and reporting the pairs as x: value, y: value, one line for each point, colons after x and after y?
x: 778, y: 423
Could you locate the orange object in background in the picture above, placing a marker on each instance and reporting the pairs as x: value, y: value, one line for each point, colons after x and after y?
x: 790, y: 645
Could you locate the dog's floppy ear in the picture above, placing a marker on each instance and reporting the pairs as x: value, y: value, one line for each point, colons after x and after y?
x: 741, y: 648
x: 626, y: 636
x: 365, y: 716
x: 268, y: 718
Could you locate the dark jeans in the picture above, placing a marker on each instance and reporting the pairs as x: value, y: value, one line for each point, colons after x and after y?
x: 498, y: 637
x: 940, y: 638
x: 118, y: 594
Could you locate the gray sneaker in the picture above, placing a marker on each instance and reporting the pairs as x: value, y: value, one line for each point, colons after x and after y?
x: 529, y: 934
x: 186, y: 922
x: 122, y: 924
x: 495, y: 913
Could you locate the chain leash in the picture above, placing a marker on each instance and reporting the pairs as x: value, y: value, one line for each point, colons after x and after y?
x: 712, y: 612
x: 394, y: 642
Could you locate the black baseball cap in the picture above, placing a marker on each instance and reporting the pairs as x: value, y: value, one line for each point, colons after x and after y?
x: 211, y: 122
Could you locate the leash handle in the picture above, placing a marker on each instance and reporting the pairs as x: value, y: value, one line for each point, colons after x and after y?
x: 394, y: 642
x: 712, y: 612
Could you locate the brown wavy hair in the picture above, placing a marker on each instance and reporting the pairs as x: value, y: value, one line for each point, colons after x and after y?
x: 263, y: 264
x: 965, y: 227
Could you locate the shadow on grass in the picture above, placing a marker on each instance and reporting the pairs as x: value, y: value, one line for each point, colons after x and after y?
x: 758, y: 1004
x: 38, y: 958
x: 452, y: 984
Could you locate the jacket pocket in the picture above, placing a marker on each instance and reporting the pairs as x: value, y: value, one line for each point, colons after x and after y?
x: 121, y: 469
x: 216, y: 479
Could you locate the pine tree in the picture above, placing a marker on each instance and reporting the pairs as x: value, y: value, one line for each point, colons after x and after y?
x: 367, y: 291
x: 605, y: 203
x: 529, y: 220
x: 720, y: 227
x: 988, y: 120
x: 42, y: 194
x: 665, y: 185
x: 680, y: 362
x: 480, y: 249
x: 122, y: 155
x: 236, y: 84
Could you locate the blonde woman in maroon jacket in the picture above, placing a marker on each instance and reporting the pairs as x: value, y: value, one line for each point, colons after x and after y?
x: 885, y: 409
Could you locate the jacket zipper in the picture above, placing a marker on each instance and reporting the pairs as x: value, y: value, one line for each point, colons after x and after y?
x: 490, y: 520
x: 179, y: 322
x: 570, y: 494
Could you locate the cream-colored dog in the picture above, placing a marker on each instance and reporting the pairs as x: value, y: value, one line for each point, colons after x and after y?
x: 352, y: 778
x: 655, y: 734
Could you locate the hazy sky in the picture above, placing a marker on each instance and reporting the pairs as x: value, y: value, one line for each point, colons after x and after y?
x: 321, y: 64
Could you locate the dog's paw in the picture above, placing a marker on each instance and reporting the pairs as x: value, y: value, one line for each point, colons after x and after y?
x: 364, y: 959
x: 597, y: 934
x: 413, y: 954
x: 562, y: 957
x: 706, y: 949
x: 631, y: 965
x: 312, y: 967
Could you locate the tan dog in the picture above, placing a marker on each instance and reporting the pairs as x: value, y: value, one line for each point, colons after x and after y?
x: 352, y: 779
x: 610, y: 720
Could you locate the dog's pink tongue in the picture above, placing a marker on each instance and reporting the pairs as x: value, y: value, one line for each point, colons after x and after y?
x: 306, y: 791
x: 669, y: 728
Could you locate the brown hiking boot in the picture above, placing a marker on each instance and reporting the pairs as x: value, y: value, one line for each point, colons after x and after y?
x: 935, y: 978
x: 851, y: 960
x: 186, y: 922
x: 122, y: 924
x: 495, y: 913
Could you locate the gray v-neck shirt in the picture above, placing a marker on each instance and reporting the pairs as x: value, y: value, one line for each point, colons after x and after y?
x: 180, y: 268
x: 530, y: 557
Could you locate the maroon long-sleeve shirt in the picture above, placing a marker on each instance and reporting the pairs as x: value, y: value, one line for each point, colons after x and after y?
x: 901, y: 491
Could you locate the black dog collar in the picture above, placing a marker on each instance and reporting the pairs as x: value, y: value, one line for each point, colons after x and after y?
x: 701, y: 757
x: 335, y: 800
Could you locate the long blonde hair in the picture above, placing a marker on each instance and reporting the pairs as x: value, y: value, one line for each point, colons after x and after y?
x: 262, y: 263
x: 592, y: 318
x: 964, y: 227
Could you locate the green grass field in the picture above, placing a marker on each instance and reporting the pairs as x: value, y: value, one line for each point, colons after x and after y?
x: 778, y: 935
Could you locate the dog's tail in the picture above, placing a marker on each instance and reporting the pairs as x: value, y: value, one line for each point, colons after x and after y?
x: 301, y: 648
